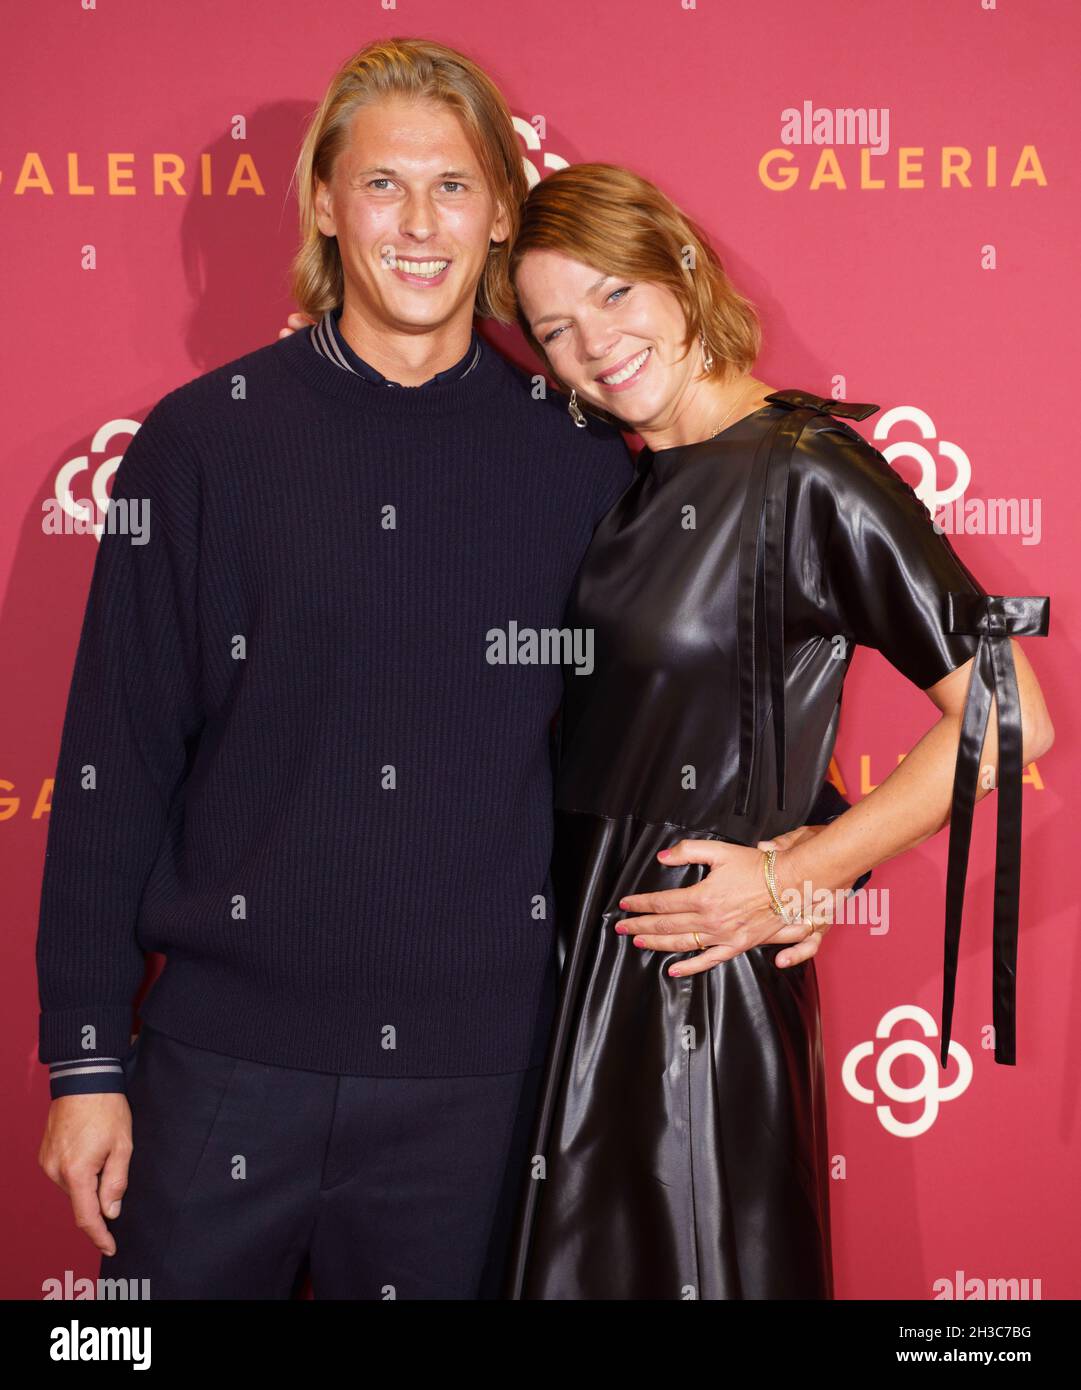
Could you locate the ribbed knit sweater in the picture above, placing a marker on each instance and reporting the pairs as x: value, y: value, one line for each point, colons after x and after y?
x: 287, y: 762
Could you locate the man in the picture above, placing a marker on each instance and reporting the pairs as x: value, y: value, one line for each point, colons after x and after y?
x: 289, y: 765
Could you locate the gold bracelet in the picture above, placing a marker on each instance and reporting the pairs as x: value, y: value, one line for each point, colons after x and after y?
x: 769, y: 857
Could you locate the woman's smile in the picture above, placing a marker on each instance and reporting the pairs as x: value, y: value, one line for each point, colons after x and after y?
x: 626, y: 373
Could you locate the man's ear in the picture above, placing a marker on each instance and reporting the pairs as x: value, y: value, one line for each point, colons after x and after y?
x: 324, y: 209
x: 501, y: 225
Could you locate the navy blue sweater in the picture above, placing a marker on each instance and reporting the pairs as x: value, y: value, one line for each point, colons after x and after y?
x: 287, y: 761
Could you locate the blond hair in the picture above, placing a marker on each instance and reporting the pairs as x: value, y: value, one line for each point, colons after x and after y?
x: 419, y: 70
x: 608, y: 217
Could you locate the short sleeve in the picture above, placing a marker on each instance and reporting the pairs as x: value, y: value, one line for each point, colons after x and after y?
x: 886, y: 570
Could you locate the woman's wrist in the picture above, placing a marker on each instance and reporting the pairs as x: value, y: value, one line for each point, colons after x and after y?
x: 778, y: 899
x: 792, y: 883
x: 767, y: 863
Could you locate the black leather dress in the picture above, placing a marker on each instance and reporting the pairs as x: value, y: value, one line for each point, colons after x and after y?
x: 680, y: 1146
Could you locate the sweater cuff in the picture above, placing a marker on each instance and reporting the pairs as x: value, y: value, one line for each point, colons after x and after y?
x: 64, y: 1033
x: 86, y: 1076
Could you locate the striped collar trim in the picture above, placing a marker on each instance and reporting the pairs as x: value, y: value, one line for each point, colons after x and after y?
x: 324, y: 338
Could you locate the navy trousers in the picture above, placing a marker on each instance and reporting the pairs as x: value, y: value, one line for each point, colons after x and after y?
x: 246, y: 1177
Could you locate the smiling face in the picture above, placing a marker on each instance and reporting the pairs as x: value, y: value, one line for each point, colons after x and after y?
x: 619, y: 343
x: 413, y: 215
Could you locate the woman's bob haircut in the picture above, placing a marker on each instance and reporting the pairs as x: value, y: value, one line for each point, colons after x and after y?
x: 621, y: 224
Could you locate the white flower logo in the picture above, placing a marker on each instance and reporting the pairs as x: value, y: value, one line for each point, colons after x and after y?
x: 81, y: 510
x: 927, y: 1089
x: 533, y: 142
x: 927, y: 490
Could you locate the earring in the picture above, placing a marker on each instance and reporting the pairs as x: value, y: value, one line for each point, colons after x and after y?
x: 576, y: 411
x: 707, y: 358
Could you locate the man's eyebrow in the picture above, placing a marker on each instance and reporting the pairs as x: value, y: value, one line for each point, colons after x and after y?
x: 393, y: 173
x: 592, y: 288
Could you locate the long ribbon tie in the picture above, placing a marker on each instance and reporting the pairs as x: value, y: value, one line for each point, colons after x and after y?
x: 994, y: 618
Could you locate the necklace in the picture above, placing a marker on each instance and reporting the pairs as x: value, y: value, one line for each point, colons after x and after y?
x: 725, y: 420
x: 713, y: 434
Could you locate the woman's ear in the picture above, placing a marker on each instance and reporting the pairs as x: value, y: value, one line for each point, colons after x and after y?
x: 324, y: 209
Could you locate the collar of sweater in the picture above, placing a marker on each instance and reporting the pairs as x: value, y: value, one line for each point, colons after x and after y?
x: 464, y: 394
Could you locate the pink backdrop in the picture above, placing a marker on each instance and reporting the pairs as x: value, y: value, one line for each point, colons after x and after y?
x: 943, y: 301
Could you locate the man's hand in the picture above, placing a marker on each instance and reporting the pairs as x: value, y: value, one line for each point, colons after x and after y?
x: 296, y: 322
x: 86, y: 1149
x: 729, y: 909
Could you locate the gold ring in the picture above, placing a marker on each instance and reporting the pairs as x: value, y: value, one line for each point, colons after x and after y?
x: 698, y: 940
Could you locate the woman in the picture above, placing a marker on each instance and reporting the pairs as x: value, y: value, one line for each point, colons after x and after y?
x: 681, y: 1140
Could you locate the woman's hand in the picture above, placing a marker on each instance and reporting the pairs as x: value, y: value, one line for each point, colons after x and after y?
x: 729, y: 909
x: 296, y: 322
